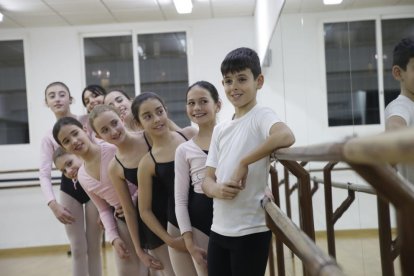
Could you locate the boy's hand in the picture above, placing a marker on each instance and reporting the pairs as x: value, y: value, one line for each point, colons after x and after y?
x: 240, y: 175
x: 227, y: 190
x: 120, y: 248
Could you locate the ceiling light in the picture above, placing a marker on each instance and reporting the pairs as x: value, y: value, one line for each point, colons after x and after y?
x: 183, y: 6
x: 332, y: 2
x: 1, y: 17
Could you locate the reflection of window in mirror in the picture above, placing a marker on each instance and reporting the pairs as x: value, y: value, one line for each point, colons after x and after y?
x: 351, y: 73
x: 14, y: 126
x: 109, y: 62
x: 393, y: 30
x: 164, y: 70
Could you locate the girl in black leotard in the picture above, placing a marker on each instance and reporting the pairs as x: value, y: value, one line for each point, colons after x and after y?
x: 156, y: 178
x: 131, y: 146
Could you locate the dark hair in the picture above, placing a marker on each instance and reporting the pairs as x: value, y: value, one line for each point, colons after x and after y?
x: 58, y: 83
x: 120, y: 91
x: 65, y: 121
x: 207, y: 86
x: 241, y: 59
x: 97, y: 90
x: 403, y: 52
x: 97, y: 110
x: 136, y: 104
x: 59, y: 152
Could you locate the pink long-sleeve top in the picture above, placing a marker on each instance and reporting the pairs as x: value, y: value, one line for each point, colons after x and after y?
x: 48, y: 146
x: 102, y: 192
x: 190, y: 162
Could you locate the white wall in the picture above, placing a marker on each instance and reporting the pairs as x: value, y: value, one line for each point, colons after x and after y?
x: 54, y: 54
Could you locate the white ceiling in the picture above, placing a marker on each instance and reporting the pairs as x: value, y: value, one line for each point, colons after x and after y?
x: 39, y: 13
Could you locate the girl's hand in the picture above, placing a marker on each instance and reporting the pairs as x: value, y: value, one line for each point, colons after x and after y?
x: 149, y: 261
x: 119, y: 212
x: 199, y: 255
x: 61, y: 213
x: 120, y: 248
x: 178, y: 243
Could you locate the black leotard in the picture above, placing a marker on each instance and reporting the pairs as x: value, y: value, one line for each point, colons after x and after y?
x: 74, y: 189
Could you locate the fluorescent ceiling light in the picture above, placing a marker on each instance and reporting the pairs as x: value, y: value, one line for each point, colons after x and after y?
x: 332, y: 2
x: 183, y: 6
x: 1, y: 17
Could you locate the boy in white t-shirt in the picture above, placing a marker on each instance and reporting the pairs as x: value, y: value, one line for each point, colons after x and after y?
x: 400, y: 112
x: 237, y: 171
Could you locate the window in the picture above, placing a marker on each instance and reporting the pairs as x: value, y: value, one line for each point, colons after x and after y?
x: 393, y: 31
x: 164, y: 70
x: 14, y: 126
x: 109, y: 63
x: 351, y: 73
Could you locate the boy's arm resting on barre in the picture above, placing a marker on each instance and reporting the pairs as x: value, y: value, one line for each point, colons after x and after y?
x: 280, y: 137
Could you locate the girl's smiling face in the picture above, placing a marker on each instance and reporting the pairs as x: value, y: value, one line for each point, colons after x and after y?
x: 109, y: 127
x: 73, y: 139
x: 69, y: 165
x: 120, y: 102
x: 153, y: 116
x: 201, y: 108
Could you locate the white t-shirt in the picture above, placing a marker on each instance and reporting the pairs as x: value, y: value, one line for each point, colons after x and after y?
x: 230, y: 142
x: 403, y: 107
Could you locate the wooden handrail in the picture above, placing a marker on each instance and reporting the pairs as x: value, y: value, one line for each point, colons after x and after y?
x: 369, y: 157
x: 390, y: 147
x: 347, y: 186
x: 315, y: 260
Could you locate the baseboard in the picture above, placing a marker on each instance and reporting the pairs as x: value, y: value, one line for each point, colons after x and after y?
x: 354, y: 233
x: 60, y: 248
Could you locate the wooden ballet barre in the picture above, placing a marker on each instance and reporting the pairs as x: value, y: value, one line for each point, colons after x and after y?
x: 388, y: 147
x: 317, y: 263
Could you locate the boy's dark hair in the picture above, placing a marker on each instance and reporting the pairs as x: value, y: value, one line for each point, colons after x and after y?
x: 240, y: 59
x: 207, y: 86
x: 136, y: 104
x: 64, y: 122
x: 97, y: 90
x: 403, y: 52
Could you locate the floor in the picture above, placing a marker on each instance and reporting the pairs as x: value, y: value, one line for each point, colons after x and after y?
x: 357, y: 254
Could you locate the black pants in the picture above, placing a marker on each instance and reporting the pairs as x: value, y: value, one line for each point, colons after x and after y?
x: 238, y: 256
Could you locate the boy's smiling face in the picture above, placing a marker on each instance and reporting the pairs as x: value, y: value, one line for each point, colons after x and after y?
x: 241, y: 89
x: 407, y: 79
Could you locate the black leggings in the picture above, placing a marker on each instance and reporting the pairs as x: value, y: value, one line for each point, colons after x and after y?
x: 241, y: 256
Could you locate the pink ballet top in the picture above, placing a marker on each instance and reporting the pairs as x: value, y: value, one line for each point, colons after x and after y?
x: 48, y: 146
x: 102, y: 192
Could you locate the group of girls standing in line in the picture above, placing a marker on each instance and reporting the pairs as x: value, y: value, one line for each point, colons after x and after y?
x: 142, y: 172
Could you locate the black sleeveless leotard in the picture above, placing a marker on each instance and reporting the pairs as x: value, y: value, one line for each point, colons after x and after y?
x: 145, y: 234
x: 74, y: 189
x: 163, y: 202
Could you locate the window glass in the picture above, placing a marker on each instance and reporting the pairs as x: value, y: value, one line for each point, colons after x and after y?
x: 164, y: 70
x: 393, y: 30
x: 14, y: 126
x: 351, y: 73
x: 109, y: 63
